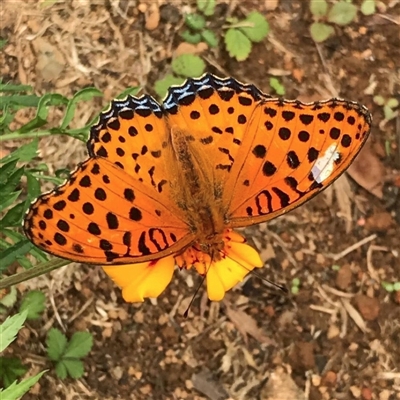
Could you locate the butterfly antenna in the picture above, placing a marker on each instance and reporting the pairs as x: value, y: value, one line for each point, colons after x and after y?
x: 186, y: 313
x: 273, y: 284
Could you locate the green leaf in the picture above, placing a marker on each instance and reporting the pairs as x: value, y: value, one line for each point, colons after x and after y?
x: 7, y: 199
x: 7, y: 170
x: 388, y: 113
x: 79, y: 346
x: 25, y: 153
x: 50, y: 99
x: 259, y: 29
x: 195, y: 21
x: 17, y: 390
x: 237, y: 44
x: 379, y: 100
x: 34, y: 303
x: 210, y: 38
x: 368, y: 7
x: 74, y: 368
x: 396, y: 286
x: 9, y: 299
x: 10, y: 328
x: 342, y: 13
x: 8, y: 87
x: 56, y: 344
x: 11, y: 254
x: 188, y: 65
x: 29, y: 100
x: 207, y: 7
x: 12, y: 181
x: 83, y: 95
x: 392, y: 103
x: 277, y: 86
x: 14, y: 215
x: 320, y: 32
x: 318, y: 8
x: 11, y: 369
x: 161, y: 86
x: 33, y: 186
x: 133, y: 91
x: 16, y: 238
x: 190, y: 37
x: 61, y: 370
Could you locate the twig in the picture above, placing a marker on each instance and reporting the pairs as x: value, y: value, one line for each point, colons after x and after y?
x: 351, y: 248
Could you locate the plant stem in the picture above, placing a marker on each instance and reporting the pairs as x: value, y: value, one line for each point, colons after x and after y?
x: 33, y: 272
x: 30, y: 135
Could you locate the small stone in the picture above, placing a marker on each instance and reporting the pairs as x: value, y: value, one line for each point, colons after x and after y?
x: 320, y: 259
x: 344, y: 277
x: 366, y: 393
x: 302, y: 356
x: 117, y: 372
x: 333, y: 331
x: 379, y: 222
x: 355, y: 391
x: 299, y: 255
x: 329, y: 379
x: 367, y: 306
x: 153, y: 18
x: 107, y: 332
x: 139, y: 317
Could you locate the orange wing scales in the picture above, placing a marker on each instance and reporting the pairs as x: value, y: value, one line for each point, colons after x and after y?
x: 291, y: 152
x: 216, y: 154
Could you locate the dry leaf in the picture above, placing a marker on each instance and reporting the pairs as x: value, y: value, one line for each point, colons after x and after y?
x: 246, y: 325
x: 280, y: 386
x: 204, y: 383
x: 368, y: 171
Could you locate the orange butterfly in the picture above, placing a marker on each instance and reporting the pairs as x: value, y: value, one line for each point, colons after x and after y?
x: 166, y: 184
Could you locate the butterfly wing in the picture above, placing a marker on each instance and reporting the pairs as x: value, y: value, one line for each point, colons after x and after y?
x: 290, y: 153
x: 117, y: 207
x: 215, y: 113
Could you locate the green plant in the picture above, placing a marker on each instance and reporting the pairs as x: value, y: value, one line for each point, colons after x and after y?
x: 183, y: 66
x: 67, y: 355
x: 238, y: 39
x: 391, y: 287
x: 241, y: 34
x: 277, y: 86
x: 11, y: 368
x: 389, y: 106
x: 34, y: 303
x: 196, y: 25
x: 341, y: 13
x: 295, y: 286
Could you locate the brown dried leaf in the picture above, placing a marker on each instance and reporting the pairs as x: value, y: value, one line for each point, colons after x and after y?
x: 281, y: 386
x: 368, y: 171
x: 246, y: 325
x: 204, y: 383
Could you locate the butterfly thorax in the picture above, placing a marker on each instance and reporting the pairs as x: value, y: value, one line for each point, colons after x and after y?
x: 199, y: 199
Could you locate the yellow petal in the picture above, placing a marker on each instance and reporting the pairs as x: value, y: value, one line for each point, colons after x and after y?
x: 142, y: 280
x: 223, y: 275
x: 245, y: 254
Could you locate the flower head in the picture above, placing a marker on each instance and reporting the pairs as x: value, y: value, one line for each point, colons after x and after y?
x: 149, y: 279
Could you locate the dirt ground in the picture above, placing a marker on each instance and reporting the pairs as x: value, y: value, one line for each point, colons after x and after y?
x: 339, y: 337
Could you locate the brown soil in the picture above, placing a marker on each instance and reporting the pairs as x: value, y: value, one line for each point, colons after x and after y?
x: 339, y: 337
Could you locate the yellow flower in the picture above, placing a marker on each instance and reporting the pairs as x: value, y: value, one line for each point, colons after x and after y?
x: 149, y: 279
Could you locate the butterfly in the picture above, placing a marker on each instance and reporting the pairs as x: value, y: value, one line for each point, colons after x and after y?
x: 168, y: 183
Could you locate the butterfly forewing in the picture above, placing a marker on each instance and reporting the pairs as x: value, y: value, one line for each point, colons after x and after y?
x: 290, y: 153
x: 117, y: 207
